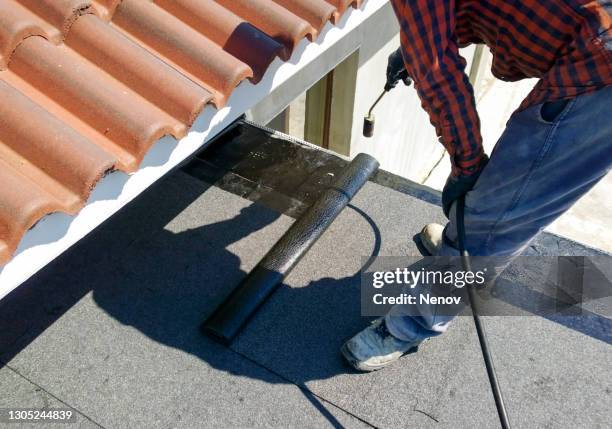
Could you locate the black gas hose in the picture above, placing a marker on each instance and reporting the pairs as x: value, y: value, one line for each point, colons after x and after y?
x: 482, y: 338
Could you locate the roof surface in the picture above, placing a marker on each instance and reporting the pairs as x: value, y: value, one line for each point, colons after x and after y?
x: 175, y: 253
x: 89, y: 86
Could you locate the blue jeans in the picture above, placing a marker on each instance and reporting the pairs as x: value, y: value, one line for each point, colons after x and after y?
x: 539, y: 168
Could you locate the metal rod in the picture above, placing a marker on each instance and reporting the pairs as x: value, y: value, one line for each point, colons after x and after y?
x: 482, y: 338
x: 231, y: 316
x: 376, y: 102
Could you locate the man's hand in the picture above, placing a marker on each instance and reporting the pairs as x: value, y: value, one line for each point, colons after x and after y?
x: 396, y: 71
x: 457, y: 186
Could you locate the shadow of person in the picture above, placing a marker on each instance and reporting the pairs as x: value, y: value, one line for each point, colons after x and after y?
x: 146, y: 271
x: 167, y: 286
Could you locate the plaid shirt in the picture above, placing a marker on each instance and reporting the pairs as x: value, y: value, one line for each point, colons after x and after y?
x: 565, y: 43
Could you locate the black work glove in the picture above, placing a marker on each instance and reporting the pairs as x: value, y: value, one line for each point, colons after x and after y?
x: 396, y: 71
x: 457, y: 186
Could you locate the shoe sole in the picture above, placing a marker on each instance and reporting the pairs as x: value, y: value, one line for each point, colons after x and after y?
x: 356, y: 364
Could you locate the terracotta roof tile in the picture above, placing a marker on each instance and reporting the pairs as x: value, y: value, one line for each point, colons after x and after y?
x: 316, y: 12
x: 89, y: 86
x: 59, y: 13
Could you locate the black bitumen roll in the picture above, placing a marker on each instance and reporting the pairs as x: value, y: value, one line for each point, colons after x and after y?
x: 231, y: 316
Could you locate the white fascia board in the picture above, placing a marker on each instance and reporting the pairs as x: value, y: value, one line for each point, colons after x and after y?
x: 57, y: 232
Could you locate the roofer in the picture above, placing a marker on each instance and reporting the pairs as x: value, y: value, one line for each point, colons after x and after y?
x: 556, y: 146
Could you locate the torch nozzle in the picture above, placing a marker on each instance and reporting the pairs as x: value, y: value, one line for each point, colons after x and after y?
x: 369, y: 120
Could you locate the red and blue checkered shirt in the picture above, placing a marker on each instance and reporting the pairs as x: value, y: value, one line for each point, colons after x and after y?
x: 567, y: 44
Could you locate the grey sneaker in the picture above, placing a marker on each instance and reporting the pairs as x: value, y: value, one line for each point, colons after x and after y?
x: 375, y: 348
x: 431, y: 237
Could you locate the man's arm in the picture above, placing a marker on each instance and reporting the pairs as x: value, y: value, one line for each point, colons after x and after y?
x: 432, y: 59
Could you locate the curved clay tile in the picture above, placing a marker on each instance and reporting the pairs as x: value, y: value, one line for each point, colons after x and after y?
x: 45, y: 167
x: 51, y: 146
x: 274, y: 20
x: 142, y: 70
x: 106, y: 8
x: 184, y: 47
x: 343, y: 5
x: 59, y: 13
x: 316, y: 12
x: 134, y: 66
x: 23, y: 204
x: 17, y: 23
x: 97, y: 99
x: 232, y: 33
